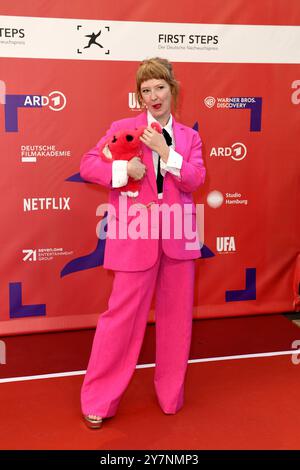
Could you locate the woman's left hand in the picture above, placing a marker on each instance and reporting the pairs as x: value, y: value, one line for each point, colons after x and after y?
x: 156, y: 142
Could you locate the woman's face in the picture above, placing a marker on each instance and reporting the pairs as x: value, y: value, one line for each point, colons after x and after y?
x: 157, y: 97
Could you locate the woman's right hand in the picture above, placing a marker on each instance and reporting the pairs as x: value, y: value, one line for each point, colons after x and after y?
x: 135, y: 168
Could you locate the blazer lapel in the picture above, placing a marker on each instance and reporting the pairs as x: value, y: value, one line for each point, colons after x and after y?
x: 180, y: 146
x: 141, y: 120
x: 179, y: 136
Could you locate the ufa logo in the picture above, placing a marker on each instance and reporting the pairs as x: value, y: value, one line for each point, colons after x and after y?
x: 225, y: 244
x: 133, y: 102
x: 56, y: 101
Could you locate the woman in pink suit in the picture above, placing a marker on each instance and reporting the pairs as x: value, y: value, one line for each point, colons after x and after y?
x: 161, y: 261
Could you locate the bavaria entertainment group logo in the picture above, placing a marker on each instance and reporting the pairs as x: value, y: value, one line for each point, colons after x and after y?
x: 56, y: 101
x: 254, y: 103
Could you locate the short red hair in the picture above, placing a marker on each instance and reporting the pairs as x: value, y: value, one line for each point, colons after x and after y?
x: 160, y: 69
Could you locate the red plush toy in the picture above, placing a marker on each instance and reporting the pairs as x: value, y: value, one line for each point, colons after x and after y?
x: 124, y: 145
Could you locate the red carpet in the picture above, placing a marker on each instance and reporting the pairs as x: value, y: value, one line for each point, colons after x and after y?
x: 232, y: 404
x: 68, y: 351
x: 238, y: 404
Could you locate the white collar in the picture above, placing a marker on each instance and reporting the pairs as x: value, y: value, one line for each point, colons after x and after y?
x: 168, y: 126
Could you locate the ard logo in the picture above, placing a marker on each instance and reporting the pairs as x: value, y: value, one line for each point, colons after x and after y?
x: 56, y: 101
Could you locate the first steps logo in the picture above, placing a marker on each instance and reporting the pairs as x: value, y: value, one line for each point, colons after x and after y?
x: 13, y: 36
x: 56, y: 101
x: 12, y: 33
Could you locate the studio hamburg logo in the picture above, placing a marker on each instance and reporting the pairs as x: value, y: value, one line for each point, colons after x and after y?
x: 96, y: 40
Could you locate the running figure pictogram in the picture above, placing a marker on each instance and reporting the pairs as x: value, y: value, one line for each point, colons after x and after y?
x: 92, y: 41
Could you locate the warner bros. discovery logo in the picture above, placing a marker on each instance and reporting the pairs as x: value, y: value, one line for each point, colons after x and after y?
x: 253, y: 103
x: 55, y: 101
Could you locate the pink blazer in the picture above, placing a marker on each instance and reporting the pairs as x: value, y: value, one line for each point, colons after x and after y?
x: 124, y: 253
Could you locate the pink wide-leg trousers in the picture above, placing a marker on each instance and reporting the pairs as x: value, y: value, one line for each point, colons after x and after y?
x: 120, y: 332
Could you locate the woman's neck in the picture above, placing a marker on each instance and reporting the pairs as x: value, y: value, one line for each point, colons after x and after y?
x: 163, y: 120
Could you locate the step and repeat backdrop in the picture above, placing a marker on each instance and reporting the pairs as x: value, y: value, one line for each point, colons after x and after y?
x: 68, y: 70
